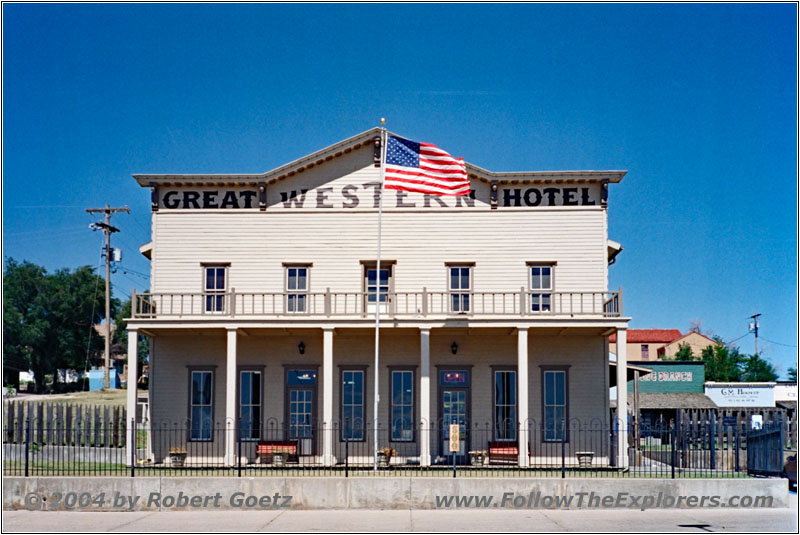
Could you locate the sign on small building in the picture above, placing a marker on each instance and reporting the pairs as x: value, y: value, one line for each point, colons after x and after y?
x: 741, y: 394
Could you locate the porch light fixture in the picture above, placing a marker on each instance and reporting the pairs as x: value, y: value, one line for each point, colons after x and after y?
x: 454, y: 348
x: 301, y: 347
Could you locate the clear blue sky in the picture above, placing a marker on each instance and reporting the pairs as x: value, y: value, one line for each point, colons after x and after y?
x: 697, y: 102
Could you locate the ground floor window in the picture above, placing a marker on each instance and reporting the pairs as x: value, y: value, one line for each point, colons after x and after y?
x: 402, y: 405
x: 554, y: 405
x: 352, y: 405
x: 250, y: 404
x: 201, y: 404
x: 505, y: 405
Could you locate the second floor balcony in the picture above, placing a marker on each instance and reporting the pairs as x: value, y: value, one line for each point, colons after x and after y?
x: 361, y: 305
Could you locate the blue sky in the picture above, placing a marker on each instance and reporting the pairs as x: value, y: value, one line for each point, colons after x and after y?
x: 697, y: 102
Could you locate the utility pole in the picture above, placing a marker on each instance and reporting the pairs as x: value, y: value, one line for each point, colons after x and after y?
x: 754, y: 328
x: 107, y: 229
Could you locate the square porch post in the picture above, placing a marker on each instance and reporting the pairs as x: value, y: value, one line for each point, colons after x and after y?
x: 230, y: 399
x: 425, y: 397
x: 133, y: 361
x: 327, y: 396
x: 622, y: 398
x: 522, y: 395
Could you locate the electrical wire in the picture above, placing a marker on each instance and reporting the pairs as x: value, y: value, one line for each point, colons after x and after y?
x: 777, y: 343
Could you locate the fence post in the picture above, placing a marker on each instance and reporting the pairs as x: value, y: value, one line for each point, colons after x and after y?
x: 672, y: 443
x: 736, y: 447
x: 713, y: 440
x: 133, y: 446
x: 27, y: 442
x: 239, y: 449
x: 346, y: 456
x: 563, y: 448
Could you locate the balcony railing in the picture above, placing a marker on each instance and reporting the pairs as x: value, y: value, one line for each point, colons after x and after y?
x: 356, y: 305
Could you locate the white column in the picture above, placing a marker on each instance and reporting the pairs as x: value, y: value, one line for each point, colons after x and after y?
x: 327, y: 396
x: 425, y: 397
x: 133, y: 361
x: 230, y: 400
x: 622, y: 398
x: 522, y: 394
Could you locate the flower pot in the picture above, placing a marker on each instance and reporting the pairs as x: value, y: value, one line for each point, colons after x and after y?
x: 177, y: 459
x: 584, y: 458
x: 279, y: 459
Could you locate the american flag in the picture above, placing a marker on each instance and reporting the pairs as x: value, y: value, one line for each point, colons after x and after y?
x: 423, y: 168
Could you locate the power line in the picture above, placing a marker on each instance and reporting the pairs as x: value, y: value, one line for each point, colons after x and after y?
x: 737, y: 339
x: 777, y: 343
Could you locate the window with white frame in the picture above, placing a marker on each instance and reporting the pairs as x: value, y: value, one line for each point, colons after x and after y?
x: 645, y: 352
x: 250, y: 404
x: 215, y: 278
x: 353, y: 405
x: 541, y: 286
x: 297, y: 289
x: 460, y: 288
x: 555, y: 404
x: 505, y: 405
x: 402, y: 406
x: 201, y: 401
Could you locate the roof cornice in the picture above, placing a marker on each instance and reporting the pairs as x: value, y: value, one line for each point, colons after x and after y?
x: 355, y: 142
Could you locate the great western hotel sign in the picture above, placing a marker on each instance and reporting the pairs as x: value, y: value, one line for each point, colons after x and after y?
x: 367, y: 196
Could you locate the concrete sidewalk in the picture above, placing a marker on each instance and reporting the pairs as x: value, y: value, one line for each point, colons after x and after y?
x: 681, y: 520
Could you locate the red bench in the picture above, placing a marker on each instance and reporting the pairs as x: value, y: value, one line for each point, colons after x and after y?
x: 503, y: 452
x: 267, y: 448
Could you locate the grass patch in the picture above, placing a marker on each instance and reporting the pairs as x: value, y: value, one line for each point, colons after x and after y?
x: 102, y: 398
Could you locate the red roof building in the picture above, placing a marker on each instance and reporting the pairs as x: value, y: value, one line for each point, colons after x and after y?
x: 644, y: 344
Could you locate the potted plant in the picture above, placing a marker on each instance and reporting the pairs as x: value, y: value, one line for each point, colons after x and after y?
x: 177, y: 455
x: 584, y: 458
x: 385, y: 456
x: 477, y: 457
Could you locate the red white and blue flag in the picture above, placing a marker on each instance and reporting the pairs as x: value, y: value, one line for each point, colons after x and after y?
x: 423, y: 168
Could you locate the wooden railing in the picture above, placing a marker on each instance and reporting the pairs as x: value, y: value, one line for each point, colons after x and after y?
x: 356, y: 304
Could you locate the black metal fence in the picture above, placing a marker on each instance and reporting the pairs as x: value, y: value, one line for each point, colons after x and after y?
x: 572, y: 449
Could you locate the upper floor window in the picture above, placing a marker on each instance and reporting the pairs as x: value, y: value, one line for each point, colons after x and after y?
x: 215, y: 280
x: 460, y: 287
x: 297, y: 288
x: 541, y: 286
x: 645, y: 352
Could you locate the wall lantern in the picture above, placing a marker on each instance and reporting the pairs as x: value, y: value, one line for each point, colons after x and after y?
x: 301, y: 347
x: 454, y: 348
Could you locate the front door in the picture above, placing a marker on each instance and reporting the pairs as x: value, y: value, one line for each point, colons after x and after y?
x: 301, y: 408
x: 454, y: 406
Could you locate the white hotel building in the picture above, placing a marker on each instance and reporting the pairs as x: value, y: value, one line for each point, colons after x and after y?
x: 496, y: 310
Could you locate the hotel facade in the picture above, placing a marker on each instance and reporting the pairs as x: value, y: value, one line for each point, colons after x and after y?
x: 495, y: 312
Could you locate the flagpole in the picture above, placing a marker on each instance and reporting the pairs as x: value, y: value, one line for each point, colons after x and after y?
x: 378, y: 296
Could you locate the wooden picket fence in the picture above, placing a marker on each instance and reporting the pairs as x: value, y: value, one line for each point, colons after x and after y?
x: 58, y: 424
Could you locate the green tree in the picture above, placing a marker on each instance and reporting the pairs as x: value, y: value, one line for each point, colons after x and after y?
x: 757, y: 370
x: 791, y: 373
x: 722, y: 364
x: 684, y: 352
x: 48, y: 318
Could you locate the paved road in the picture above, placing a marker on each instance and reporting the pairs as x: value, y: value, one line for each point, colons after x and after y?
x: 689, y: 521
